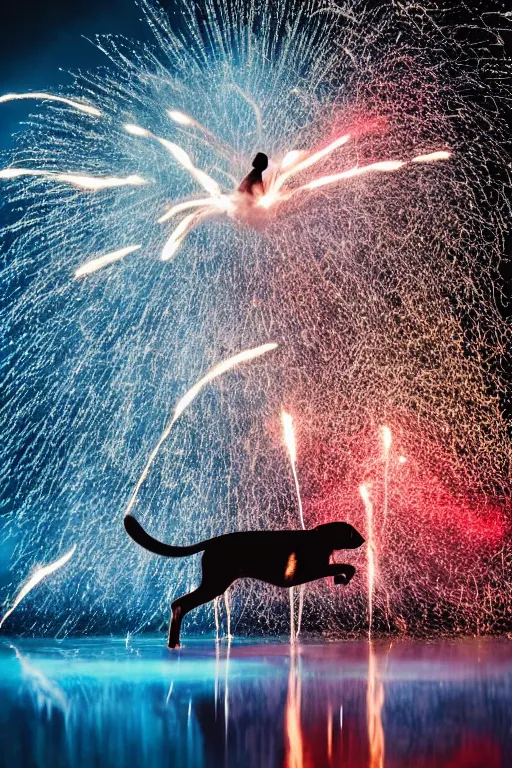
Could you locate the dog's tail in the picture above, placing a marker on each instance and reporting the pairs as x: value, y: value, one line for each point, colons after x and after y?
x: 135, y: 530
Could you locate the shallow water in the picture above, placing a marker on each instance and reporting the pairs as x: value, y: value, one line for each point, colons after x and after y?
x: 109, y: 702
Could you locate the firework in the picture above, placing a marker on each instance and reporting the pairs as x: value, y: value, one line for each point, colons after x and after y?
x: 34, y: 580
x: 188, y: 397
x: 372, y: 255
x: 370, y: 551
x: 236, y: 204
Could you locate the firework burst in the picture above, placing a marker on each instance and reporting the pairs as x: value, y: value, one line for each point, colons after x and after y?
x: 369, y: 254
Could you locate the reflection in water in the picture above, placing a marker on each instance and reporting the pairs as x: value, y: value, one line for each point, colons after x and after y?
x: 80, y: 703
x: 293, y: 728
x: 226, y: 691
x: 374, y: 704
x: 47, y: 695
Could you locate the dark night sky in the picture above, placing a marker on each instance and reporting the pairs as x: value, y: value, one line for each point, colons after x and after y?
x: 37, y: 39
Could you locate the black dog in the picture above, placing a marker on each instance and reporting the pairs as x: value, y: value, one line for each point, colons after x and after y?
x: 282, y: 558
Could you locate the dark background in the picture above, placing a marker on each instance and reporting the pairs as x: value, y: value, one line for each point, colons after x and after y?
x: 40, y: 42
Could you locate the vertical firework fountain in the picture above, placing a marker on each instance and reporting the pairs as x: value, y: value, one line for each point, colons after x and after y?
x: 375, y: 688
x: 291, y: 446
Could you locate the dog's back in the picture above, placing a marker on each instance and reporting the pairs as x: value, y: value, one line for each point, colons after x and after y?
x: 276, y: 557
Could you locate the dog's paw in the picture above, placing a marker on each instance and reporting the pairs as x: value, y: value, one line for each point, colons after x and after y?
x: 344, y: 578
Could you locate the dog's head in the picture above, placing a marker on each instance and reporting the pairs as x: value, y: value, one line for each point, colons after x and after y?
x: 340, y: 536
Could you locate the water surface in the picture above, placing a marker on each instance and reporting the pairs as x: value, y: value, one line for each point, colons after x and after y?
x: 112, y: 702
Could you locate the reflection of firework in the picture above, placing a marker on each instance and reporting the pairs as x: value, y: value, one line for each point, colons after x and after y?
x: 374, y: 704
x: 378, y: 287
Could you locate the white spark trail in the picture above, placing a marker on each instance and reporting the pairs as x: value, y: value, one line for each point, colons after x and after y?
x: 289, y: 438
x: 179, y: 154
x: 185, y: 120
x: 38, y: 576
x: 433, y: 157
x: 310, y: 160
x: 102, y: 261
x: 78, y: 180
x: 181, y: 118
x: 386, y: 166
x: 180, y: 207
x: 188, y: 397
x: 136, y: 130
x: 370, y: 552
x: 291, y: 445
x: 178, y: 235
x: 81, y: 106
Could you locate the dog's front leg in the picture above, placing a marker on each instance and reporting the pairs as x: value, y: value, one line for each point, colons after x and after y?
x: 342, y: 572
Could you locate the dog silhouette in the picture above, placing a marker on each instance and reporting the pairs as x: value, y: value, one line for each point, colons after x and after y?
x: 281, y: 558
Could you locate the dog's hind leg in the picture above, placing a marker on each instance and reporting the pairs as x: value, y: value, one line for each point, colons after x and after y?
x: 181, y: 606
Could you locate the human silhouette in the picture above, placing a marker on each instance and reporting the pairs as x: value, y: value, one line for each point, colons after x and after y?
x: 281, y: 558
x: 253, y: 182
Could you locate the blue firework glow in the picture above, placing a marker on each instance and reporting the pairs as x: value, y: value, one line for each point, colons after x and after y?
x: 377, y: 276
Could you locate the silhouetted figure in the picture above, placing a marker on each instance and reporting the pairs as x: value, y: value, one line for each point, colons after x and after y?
x: 253, y: 182
x: 281, y: 558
